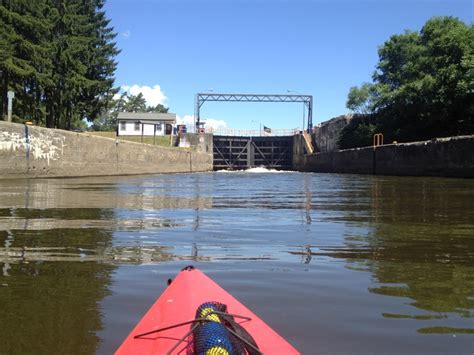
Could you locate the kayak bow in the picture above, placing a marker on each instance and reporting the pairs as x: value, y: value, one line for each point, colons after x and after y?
x: 195, y: 315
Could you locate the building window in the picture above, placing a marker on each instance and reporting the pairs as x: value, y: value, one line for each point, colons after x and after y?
x: 123, y: 126
x: 158, y: 127
x: 137, y: 126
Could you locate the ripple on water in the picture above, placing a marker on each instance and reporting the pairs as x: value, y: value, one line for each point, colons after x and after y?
x: 338, y: 263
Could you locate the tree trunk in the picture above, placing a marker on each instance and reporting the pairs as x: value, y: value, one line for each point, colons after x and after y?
x: 38, y: 116
x: 4, y: 96
x: 68, y: 116
x: 49, y: 110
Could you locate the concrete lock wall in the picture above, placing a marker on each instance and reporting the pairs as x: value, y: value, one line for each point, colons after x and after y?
x: 203, y: 142
x: 450, y: 157
x: 327, y: 133
x: 30, y: 151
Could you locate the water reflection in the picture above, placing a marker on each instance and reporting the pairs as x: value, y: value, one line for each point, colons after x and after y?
x: 48, y: 294
x: 42, y: 313
x: 410, y: 238
x: 420, y: 246
x: 98, y: 193
x: 308, y: 199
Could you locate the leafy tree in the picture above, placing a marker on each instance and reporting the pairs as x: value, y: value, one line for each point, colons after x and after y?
x: 427, y: 80
x: 136, y: 103
x: 158, y: 109
x: 423, y: 85
x: 361, y: 99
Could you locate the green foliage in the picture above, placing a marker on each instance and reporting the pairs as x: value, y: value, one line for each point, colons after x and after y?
x: 424, y: 83
x: 158, y: 109
x: 163, y: 141
x: 136, y: 103
x: 58, y: 57
x: 361, y: 99
x: 105, y: 122
x: 124, y: 103
x: 358, y: 133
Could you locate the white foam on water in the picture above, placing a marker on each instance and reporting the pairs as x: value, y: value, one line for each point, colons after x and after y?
x: 263, y: 170
x: 258, y: 170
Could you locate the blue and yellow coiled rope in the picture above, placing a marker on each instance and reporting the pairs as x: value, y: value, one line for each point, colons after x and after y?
x: 212, y: 337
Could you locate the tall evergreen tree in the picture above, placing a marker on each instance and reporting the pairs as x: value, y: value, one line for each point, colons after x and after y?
x: 101, y: 64
x: 24, y: 63
x: 59, y: 58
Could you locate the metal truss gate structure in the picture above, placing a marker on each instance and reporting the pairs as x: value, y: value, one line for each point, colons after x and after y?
x: 201, y: 98
x: 238, y: 153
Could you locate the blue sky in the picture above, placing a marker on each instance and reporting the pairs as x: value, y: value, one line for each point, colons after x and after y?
x: 173, y: 49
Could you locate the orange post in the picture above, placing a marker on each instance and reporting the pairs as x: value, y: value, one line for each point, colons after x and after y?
x: 378, y: 140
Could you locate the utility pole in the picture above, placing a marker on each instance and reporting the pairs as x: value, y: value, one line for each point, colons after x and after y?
x: 11, y: 96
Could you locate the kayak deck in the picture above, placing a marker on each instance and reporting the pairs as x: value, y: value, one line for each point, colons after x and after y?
x: 178, y: 304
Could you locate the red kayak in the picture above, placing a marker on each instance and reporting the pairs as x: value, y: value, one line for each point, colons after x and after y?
x: 194, y: 315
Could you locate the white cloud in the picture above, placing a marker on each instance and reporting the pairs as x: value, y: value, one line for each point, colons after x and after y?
x: 215, y: 124
x: 153, y: 95
x: 211, y: 123
x: 188, y: 120
x: 126, y: 34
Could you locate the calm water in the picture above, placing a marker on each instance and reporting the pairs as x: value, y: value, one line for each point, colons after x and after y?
x: 336, y: 263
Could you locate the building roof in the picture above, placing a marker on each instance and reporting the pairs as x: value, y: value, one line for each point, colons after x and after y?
x: 145, y: 117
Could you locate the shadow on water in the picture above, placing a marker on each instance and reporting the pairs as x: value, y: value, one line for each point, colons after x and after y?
x: 45, y: 314
x: 49, y: 295
x: 50, y: 304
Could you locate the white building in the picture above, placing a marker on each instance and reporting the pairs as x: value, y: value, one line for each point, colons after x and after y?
x: 144, y: 123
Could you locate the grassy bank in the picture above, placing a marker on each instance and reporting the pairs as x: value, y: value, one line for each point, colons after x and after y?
x: 162, y: 141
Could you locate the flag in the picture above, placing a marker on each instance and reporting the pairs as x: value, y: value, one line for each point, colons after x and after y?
x: 267, y: 129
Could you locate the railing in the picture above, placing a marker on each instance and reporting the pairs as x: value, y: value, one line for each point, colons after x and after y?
x: 378, y: 140
x: 253, y: 133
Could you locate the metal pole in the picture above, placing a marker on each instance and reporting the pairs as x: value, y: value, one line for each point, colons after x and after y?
x: 197, y: 117
x: 310, y: 114
x: 304, y: 106
x: 11, y: 96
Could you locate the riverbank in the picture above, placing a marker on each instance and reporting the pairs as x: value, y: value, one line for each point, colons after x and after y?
x: 36, y: 152
x: 448, y: 157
